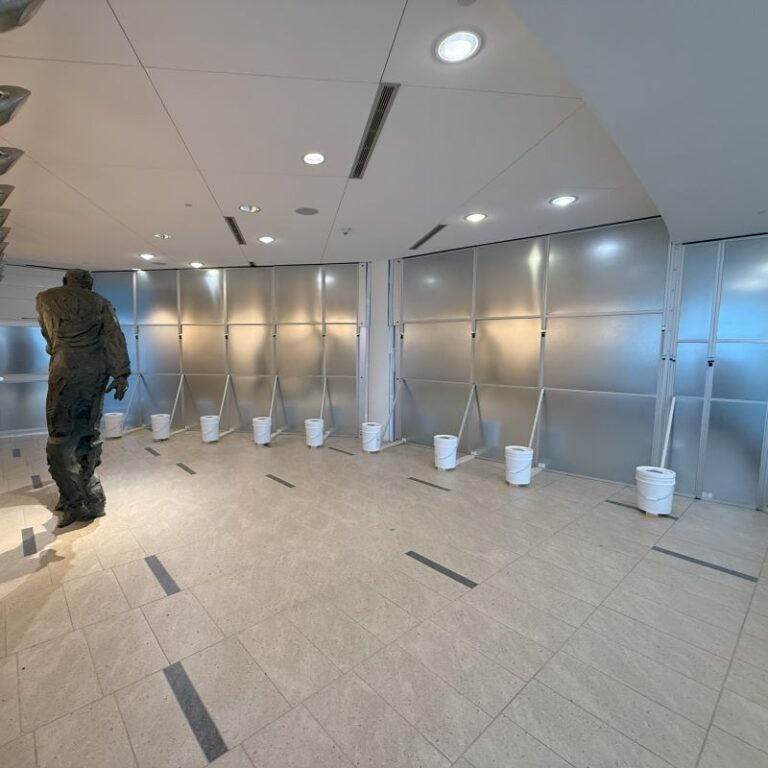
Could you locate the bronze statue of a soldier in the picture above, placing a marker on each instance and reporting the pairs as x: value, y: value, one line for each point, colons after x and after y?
x: 87, y: 347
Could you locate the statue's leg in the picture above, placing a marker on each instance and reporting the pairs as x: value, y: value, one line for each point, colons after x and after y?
x: 89, y: 452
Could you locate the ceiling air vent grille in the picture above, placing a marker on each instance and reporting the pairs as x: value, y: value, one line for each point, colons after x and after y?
x: 232, y: 224
x: 381, y: 106
x: 432, y: 232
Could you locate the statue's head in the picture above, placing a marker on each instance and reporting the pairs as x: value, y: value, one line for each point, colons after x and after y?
x: 78, y: 277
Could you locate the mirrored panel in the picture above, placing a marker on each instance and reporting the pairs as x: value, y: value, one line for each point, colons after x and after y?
x: 439, y: 351
x: 619, y: 268
x: 159, y: 349
x: 741, y: 372
x: 744, y: 301
x: 732, y: 461
x: 22, y: 405
x: 202, y: 349
x: 597, y: 435
x: 428, y: 409
x: 250, y: 350
x: 158, y: 394
x: 117, y: 288
x: 684, y: 443
x: 253, y: 395
x: 202, y: 397
x: 618, y: 353
x: 341, y: 283
x: 201, y: 295
x: 302, y: 397
x: 22, y: 350
x: 298, y: 294
x: 697, y: 290
x: 341, y: 350
x: 156, y: 297
x: 438, y: 287
x: 507, y: 352
x: 299, y: 350
x: 506, y: 418
x: 249, y: 295
x: 341, y: 405
x: 691, y: 369
x: 509, y: 278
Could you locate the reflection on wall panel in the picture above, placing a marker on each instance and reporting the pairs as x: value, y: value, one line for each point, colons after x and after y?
x: 302, y: 397
x: 341, y: 405
x: 430, y: 409
x: 438, y: 287
x: 341, y: 350
x: 159, y: 349
x: 249, y: 295
x: 438, y: 351
x: 684, y: 443
x: 298, y: 294
x: 507, y: 352
x: 117, y: 288
x: 509, y: 277
x: 201, y: 295
x: 203, y: 397
x: 743, y: 306
x: 691, y: 370
x: 130, y: 343
x: 300, y: 350
x: 597, y: 435
x: 22, y: 405
x: 22, y: 350
x: 250, y: 350
x: 620, y: 268
x: 506, y: 419
x: 698, y: 290
x: 618, y: 353
x: 254, y: 395
x: 156, y: 300
x: 202, y: 349
x: 741, y: 372
x: 132, y: 398
x: 341, y: 282
x: 158, y: 394
x: 732, y: 462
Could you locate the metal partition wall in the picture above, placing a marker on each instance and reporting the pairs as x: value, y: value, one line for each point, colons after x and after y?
x: 578, y: 316
x: 243, y: 342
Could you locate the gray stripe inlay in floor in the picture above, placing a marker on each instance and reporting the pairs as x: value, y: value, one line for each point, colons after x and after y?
x: 339, y: 450
x: 636, y: 509
x: 281, y: 481
x: 36, y: 481
x: 165, y: 578
x: 442, y: 569
x: 713, y: 566
x: 186, y: 468
x: 28, y: 543
x: 152, y: 451
x: 16, y: 453
x: 431, y: 485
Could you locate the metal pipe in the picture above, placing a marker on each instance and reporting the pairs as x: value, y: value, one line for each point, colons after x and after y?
x: 668, y: 433
x: 536, y: 418
x: 466, y: 412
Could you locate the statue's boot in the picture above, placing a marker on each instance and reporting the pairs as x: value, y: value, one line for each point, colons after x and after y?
x: 72, y: 514
x: 94, y: 511
x: 59, y: 505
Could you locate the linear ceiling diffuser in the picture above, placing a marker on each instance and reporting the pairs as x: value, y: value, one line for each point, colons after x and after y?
x: 3, y: 246
x: 5, y: 192
x: 381, y: 106
x: 11, y: 99
x: 8, y: 156
x: 4, y: 233
x: 14, y: 13
x: 4, y: 213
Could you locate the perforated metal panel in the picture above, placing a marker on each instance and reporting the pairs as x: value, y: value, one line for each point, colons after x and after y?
x: 506, y: 418
x: 438, y: 287
x: 117, y: 288
x: 201, y: 295
x: 249, y: 295
x: 22, y: 350
x: 698, y: 291
x: 159, y: 349
x: 744, y: 302
x: 341, y: 287
x: 202, y: 349
x: 507, y: 352
x: 156, y: 300
x: 299, y: 350
x: 250, y: 350
x: 298, y: 292
x: 341, y: 350
x: 437, y: 351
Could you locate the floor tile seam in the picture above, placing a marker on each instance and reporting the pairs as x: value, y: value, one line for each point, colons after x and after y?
x: 614, y: 551
x: 738, y: 738
x: 46, y: 723
x: 743, y: 695
x: 727, y: 674
x: 594, y: 542
x: 17, y: 667
x: 572, y: 572
x: 365, y: 584
x: 125, y: 725
x: 724, y: 552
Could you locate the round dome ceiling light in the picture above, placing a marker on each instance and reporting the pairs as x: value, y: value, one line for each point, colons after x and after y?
x: 306, y: 211
x: 563, y: 201
x: 162, y: 236
x: 147, y: 256
x: 196, y: 264
x: 249, y: 208
x: 266, y: 239
x: 314, y: 158
x: 458, y: 46
x: 475, y: 218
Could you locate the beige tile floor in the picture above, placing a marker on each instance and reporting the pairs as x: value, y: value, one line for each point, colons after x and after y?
x: 312, y: 641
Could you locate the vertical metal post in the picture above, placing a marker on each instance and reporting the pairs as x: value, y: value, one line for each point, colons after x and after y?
x: 543, y: 309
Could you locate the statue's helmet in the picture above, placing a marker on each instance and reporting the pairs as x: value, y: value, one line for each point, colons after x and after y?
x: 79, y: 277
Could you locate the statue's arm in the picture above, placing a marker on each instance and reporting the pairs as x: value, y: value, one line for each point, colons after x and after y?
x: 115, y: 346
x: 44, y: 318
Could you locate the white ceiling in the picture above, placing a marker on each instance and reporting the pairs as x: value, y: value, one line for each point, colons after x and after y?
x: 164, y: 115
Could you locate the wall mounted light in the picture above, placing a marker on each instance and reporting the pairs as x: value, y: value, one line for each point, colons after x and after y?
x: 8, y: 157
x: 12, y: 97
x: 15, y: 13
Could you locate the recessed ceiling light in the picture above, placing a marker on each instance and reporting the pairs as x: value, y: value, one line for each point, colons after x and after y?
x: 563, y: 201
x: 314, y: 158
x: 266, y: 239
x: 163, y: 236
x: 474, y: 218
x: 458, y: 46
x: 147, y: 256
x: 249, y: 208
x: 306, y: 211
x: 196, y: 264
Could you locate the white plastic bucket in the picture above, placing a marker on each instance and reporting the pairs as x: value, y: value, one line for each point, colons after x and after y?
x: 113, y: 425
x: 371, y: 437
x: 209, y: 428
x: 161, y: 426
x: 518, y: 459
x: 262, y: 430
x: 445, y: 451
x: 655, y: 489
x: 314, y: 429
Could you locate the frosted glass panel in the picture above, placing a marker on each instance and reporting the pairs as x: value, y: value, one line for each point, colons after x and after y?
x: 741, y: 372
x: 341, y: 282
x: 430, y: 409
x: 249, y: 295
x: 302, y: 397
x: 438, y: 287
x: 202, y: 348
x: 117, y: 288
x: 509, y: 277
x: 157, y: 396
x: 298, y: 294
x: 299, y: 350
x: 507, y: 352
x: 202, y: 296
x: 691, y: 369
x: 732, y: 462
x: 202, y: 397
x: 438, y: 351
x: 597, y: 435
x: 22, y: 350
x: 744, y: 302
x: 156, y: 297
x: 506, y: 418
x: 341, y: 405
x: 698, y: 290
x: 254, y: 394
x: 22, y: 405
x: 159, y: 349
x: 130, y: 343
x: 684, y: 443
x: 620, y: 268
x: 250, y: 350
x: 341, y: 350
x: 610, y: 354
